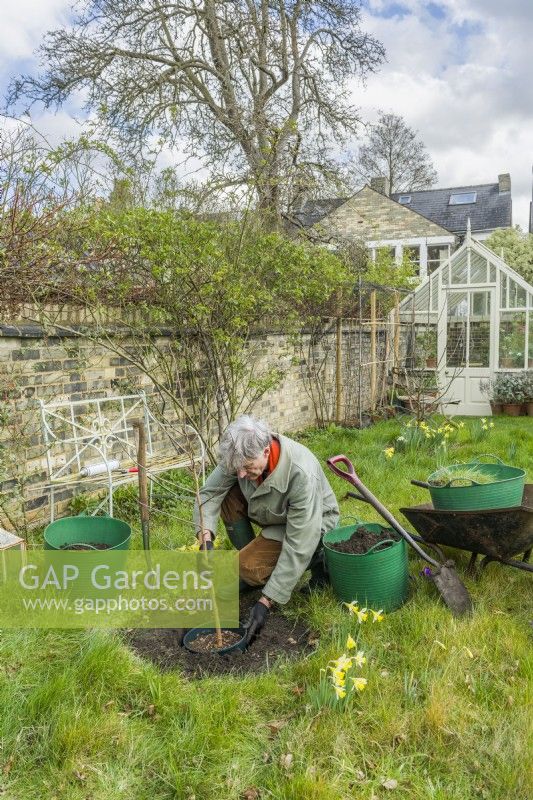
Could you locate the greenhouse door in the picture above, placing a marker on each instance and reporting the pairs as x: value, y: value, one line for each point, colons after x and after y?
x: 467, y: 330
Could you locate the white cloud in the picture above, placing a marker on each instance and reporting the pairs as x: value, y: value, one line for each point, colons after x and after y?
x: 463, y: 81
x: 24, y: 23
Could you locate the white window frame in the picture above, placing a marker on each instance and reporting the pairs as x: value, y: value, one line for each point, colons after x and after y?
x: 422, y: 241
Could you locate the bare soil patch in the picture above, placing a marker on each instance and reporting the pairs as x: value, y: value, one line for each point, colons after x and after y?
x: 280, y: 637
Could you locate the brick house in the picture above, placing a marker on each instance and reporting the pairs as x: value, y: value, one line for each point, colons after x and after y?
x: 429, y: 224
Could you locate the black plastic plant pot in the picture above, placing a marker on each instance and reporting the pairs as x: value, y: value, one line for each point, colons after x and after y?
x: 191, y: 636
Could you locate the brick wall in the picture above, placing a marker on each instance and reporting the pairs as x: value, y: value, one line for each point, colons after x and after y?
x: 33, y: 367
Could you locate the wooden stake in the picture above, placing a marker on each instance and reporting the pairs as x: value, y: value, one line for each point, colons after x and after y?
x: 373, y: 349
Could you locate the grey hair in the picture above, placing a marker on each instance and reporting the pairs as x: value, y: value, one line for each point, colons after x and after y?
x: 243, y: 440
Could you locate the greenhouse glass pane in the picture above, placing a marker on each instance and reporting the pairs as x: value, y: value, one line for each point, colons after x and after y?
x: 435, y: 293
x: 512, y: 339
x: 459, y: 269
x: 422, y: 299
x: 456, y: 329
x: 517, y: 295
x: 503, y: 290
x: 479, y: 330
x: 492, y: 273
x: 478, y: 268
x: 445, y: 276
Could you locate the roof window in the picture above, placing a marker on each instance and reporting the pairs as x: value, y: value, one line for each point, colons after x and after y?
x: 404, y: 199
x: 461, y: 198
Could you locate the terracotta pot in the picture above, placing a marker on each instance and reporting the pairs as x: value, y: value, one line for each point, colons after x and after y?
x: 529, y: 408
x: 512, y: 409
x: 431, y: 362
x: 496, y: 408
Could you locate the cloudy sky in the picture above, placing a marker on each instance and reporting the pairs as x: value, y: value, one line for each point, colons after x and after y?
x: 458, y: 71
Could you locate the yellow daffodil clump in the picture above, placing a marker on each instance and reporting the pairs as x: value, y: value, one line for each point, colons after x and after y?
x: 339, y: 671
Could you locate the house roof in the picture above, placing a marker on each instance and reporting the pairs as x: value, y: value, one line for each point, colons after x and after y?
x: 313, y: 211
x: 492, y: 209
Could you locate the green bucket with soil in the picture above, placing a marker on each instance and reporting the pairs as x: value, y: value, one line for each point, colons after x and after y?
x: 476, y: 485
x: 87, y: 533
x: 376, y: 578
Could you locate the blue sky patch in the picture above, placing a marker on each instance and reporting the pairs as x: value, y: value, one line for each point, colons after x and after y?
x: 391, y: 10
x: 436, y: 11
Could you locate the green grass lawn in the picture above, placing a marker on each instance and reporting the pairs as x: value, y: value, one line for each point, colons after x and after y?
x: 446, y: 713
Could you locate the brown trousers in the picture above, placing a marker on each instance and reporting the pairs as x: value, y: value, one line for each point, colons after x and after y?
x: 258, y: 559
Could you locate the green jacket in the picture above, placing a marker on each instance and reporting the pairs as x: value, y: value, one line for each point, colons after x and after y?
x: 294, y: 505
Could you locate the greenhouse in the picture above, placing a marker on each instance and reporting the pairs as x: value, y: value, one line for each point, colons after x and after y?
x: 473, y: 317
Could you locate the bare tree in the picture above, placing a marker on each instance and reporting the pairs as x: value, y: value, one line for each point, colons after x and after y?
x: 257, y: 88
x: 394, y: 150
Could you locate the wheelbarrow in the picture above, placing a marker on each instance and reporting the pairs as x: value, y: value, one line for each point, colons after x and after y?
x: 442, y: 574
x: 498, y: 533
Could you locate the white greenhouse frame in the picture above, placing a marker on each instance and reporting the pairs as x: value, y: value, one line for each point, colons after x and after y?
x: 482, y: 307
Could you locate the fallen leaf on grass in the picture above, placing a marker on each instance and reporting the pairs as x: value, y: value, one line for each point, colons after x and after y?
x: 297, y: 690
x: 80, y: 776
x: 291, y: 640
x: 275, y: 725
x: 150, y: 710
x: 286, y: 760
x: 252, y: 793
x: 313, y: 641
x: 6, y: 769
x: 390, y: 783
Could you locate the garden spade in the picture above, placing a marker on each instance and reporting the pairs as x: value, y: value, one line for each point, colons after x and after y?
x: 444, y: 576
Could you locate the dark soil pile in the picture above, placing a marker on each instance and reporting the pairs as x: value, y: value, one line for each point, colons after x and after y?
x: 362, y: 540
x: 280, y: 637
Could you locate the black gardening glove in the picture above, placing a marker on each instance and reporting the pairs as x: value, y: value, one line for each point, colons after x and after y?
x: 256, y: 621
x: 207, y: 545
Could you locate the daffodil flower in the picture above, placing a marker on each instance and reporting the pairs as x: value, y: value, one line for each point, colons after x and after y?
x: 343, y: 662
x: 360, y: 658
x: 359, y: 684
x: 350, y: 643
x: 377, y: 616
x: 362, y: 615
x: 352, y: 607
x: 461, y: 424
x: 389, y: 452
x: 340, y: 692
x: 339, y: 677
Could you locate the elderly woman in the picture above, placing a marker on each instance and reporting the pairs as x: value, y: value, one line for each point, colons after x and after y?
x: 278, y: 484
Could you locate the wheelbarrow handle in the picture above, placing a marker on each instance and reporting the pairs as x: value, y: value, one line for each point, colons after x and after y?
x: 349, y: 474
x: 423, y: 484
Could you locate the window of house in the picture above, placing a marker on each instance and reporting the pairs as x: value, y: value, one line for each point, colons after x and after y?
x: 404, y: 199
x: 437, y: 254
x: 461, y: 198
x: 413, y: 253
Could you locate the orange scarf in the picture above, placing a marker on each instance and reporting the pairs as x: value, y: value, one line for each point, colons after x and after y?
x: 273, y: 458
